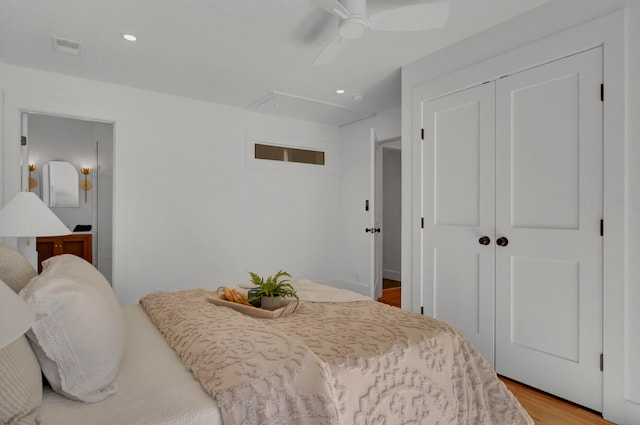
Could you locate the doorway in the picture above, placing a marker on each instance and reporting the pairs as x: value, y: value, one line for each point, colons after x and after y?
x: 82, y: 145
x: 389, y: 215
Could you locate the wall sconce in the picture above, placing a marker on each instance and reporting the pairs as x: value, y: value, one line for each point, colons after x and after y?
x: 32, y: 182
x: 85, y: 185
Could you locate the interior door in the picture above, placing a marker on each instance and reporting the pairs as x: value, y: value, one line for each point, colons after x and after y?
x: 458, y: 211
x: 548, y: 210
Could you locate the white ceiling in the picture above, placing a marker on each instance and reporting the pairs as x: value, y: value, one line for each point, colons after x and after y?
x: 233, y: 52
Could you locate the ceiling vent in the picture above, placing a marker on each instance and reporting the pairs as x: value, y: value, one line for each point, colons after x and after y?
x: 66, y: 46
x: 303, y: 108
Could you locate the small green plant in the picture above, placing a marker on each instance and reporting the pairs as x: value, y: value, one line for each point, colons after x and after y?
x: 272, y: 286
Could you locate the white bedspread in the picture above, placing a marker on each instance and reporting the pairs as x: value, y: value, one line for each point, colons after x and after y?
x: 315, y: 292
x: 154, y: 387
x: 348, y: 363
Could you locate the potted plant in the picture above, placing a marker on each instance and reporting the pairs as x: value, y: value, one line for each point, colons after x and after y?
x: 272, y: 291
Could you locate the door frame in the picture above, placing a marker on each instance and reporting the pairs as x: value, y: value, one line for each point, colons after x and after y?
x: 608, y: 32
x: 96, y: 170
x: 18, y: 102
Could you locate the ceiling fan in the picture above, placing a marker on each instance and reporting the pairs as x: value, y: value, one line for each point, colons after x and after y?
x: 354, y: 21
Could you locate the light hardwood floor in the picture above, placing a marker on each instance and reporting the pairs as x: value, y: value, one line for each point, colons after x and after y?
x: 391, y: 296
x: 546, y: 409
x: 543, y: 408
x: 391, y: 292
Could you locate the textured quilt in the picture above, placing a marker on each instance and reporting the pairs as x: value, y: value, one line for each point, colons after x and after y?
x: 333, y: 363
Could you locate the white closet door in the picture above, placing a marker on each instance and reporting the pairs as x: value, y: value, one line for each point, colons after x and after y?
x: 549, y: 207
x: 458, y: 209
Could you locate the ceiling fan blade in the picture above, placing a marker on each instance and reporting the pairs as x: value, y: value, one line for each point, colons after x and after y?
x: 317, y: 26
x: 418, y: 17
x: 330, y: 51
x: 334, y: 7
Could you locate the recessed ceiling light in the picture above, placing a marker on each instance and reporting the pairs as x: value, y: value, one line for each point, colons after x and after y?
x: 340, y: 91
x: 129, y: 37
x: 358, y: 97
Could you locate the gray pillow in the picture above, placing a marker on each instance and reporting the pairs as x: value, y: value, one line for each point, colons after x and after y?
x: 20, y: 384
x: 20, y: 374
x: 15, y: 269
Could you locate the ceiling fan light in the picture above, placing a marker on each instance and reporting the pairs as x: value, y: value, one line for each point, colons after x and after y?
x: 353, y: 27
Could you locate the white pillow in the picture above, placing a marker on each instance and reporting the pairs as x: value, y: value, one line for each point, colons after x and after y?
x: 79, y: 334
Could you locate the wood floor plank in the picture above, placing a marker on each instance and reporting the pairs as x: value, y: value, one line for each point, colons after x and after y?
x: 391, y: 296
x: 546, y: 409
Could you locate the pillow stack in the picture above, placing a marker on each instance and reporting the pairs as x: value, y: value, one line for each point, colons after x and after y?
x: 78, y: 336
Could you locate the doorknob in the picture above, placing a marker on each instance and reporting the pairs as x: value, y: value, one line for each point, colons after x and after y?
x: 485, y: 240
x: 372, y: 230
x: 502, y: 241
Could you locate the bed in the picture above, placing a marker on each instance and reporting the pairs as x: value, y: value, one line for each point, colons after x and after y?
x: 154, y: 387
x: 339, y: 359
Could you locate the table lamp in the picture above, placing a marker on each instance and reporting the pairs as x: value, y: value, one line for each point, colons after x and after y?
x: 16, y: 316
x: 26, y: 216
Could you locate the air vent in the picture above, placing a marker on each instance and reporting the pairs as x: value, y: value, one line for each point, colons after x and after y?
x: 66, y: 46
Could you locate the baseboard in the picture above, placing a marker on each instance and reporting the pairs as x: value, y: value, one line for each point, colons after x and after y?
x: 348, y: 284
x: 391, y: 274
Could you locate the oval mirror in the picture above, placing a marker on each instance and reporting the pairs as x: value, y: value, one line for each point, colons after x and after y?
x: 60, y: 184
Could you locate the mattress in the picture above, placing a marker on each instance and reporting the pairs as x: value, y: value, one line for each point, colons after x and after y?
x: 154, y: 387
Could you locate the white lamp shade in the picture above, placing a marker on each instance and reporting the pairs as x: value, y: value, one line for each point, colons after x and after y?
x: 26, y: 216
x: 16, y: 316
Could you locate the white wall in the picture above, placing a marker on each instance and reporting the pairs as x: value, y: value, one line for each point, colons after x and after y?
x: 622, y: 227
x: 187, y: 211
x: 355, y: 187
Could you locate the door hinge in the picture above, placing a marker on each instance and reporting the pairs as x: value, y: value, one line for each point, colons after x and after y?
x: 601, y: 362
x: 422, y: 223
x: 602, y: 92
x: 601, y: 227
x: 23, y: 140
x: 422, y: 134
x: 422, y: 310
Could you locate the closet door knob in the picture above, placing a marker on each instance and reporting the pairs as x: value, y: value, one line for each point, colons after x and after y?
x: 485, y: 240
x: 502, y: 241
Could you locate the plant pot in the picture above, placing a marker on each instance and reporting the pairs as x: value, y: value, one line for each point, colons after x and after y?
x: 272, y: 303
x: 252, y: 293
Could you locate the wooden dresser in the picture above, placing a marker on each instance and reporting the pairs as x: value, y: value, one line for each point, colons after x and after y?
x: 77, y: 244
